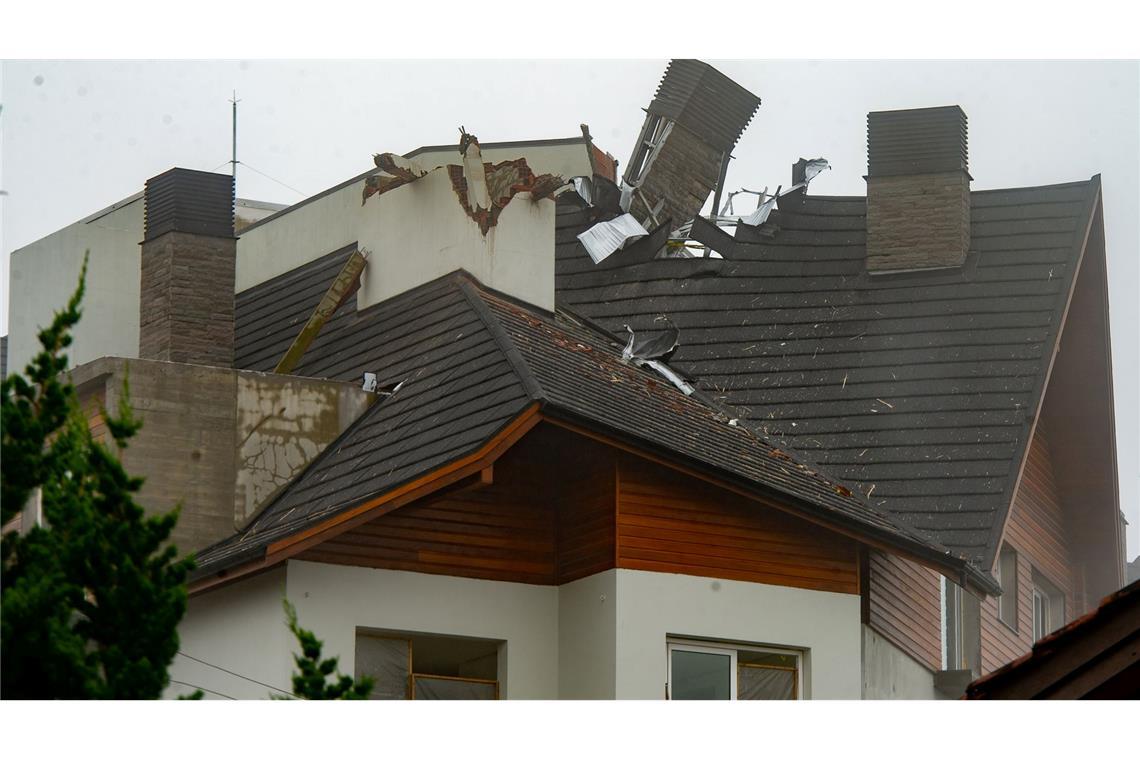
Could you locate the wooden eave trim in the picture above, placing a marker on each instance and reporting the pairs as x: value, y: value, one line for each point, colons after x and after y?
x: 858, y: 536
x: 1001, y: 526
x: 477, y: 465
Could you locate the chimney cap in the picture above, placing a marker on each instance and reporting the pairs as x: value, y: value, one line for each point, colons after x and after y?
x: 187, y: 200
x: 917, y: 141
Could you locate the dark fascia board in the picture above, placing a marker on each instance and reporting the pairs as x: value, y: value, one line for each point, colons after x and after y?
x: 1064, y: 298
x: 413, y: 154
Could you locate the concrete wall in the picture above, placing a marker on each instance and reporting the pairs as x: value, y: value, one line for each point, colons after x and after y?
x: 217, y: 441
x: 654, y: 606
x: 587, y: 637
x: 282, y: 423
x: 334, y: 600
x: 44, y: 275
x: 241, y: 628
x: 890, y: 673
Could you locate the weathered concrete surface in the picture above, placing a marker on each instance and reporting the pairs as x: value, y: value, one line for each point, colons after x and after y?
x: 889, y: 673
x: 283, y: 422
x: 218, y: 442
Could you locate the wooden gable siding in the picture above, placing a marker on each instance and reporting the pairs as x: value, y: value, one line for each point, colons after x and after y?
x: 668, y: 522
x: 546, y: 519
x: 1037, y: 531
x: 905, y: 606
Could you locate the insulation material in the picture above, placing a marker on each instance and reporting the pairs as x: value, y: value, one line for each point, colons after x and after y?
x: 605, y: 238
x: 387, y: 661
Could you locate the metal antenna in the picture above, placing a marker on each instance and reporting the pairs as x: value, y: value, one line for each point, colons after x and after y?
x: 233, y: 160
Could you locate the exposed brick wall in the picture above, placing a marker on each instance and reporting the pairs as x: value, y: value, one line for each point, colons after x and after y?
x: 684, y: 172
x: 186, y: 305
x: 917, y: 221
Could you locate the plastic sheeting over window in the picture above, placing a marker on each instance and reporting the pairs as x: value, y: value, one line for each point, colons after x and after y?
x: 388, y: 661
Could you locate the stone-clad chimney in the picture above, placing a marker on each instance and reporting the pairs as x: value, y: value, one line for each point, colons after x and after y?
x: 186, y: 304
x: 918, y: 189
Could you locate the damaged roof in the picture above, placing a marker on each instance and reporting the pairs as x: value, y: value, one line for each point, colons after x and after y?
x: 472, y: 361
x: 919, y: 387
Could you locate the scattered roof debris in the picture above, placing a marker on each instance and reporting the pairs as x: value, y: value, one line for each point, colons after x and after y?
x: 606, y: 238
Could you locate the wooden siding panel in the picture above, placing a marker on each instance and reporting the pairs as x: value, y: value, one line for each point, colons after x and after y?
x: 547, y: 518
x: 586, y: 520
x: 905, y: 601
x: 1038, y: 531
x: 667, y: 522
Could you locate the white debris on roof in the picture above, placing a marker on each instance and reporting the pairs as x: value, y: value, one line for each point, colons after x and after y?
x: 606, y: 238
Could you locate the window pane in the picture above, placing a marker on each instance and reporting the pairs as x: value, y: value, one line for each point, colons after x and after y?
x: 758, y: 682
x: 386, y: 660
x: 428, y: 687
x: 701, y: 675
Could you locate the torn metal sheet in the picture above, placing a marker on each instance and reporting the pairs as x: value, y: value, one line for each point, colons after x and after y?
x: 584, y: 186
x: 656, y: 347
x: 649, y: 352
x: 762, y: 212
x: 345, y: 284
x: 665, y: 371
x: 605, y: 238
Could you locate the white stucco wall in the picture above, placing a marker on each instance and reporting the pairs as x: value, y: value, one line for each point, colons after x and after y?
x: 44, y: 275
x: 600, y: 637
x: 240, y: 627
x: 334, y: 600
x: 419, y: 232
x: 587, y: 637
x: 654, y: 606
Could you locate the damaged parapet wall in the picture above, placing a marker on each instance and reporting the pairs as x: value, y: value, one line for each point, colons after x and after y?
x: 918, y: 189
x: 494, y: 220
x: 186, y: 288
x: 217, y: 441
x: 691, y: 126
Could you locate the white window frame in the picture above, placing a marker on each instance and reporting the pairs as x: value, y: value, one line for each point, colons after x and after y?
x: 730, y: 649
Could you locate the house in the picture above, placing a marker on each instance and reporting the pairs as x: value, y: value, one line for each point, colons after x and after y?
x: 528, y: 446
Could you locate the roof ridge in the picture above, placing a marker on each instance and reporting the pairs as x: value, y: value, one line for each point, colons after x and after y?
x: 472, y: 291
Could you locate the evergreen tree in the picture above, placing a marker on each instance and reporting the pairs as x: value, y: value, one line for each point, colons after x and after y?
x: 92, y: 598
x: 310, y: 681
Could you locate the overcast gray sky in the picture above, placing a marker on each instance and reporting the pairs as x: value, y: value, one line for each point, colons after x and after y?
x: 78, y: 136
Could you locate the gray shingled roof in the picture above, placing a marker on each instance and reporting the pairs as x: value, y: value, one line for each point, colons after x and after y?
x: 474, y: 360
x: 919, y: 387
